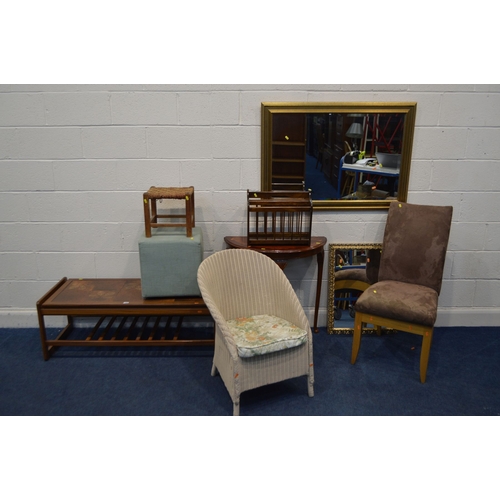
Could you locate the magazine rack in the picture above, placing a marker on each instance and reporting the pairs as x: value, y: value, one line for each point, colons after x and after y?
x: 279, y: 218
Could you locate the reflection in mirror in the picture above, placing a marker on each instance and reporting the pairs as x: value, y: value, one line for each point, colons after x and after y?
x: 349, y: 155
x: 351, y: 270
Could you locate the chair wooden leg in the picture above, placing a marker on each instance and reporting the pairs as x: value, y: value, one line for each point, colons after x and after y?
x: 356, y: 337
x: 424, y: 355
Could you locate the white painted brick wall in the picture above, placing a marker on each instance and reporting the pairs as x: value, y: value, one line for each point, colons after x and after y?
x: 77, y: 108
x: 21, y: 109
x: 75, y: 160
x: 144, y: 108
x: 26, y: 176
x: 179, y: 142
x: 114, y: 142
x: 46, y: 143
x: 131, y: 175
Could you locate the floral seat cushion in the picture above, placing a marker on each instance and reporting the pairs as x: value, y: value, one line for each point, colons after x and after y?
x: 263, y: 334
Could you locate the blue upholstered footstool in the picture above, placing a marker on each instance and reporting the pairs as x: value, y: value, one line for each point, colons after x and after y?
x: 169, y: 263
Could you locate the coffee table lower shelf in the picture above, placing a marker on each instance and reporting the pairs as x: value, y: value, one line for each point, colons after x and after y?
x: 123, y: 316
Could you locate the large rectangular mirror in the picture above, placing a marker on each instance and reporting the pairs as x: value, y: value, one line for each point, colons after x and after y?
x: 352, y: 268
x: 349, y: 155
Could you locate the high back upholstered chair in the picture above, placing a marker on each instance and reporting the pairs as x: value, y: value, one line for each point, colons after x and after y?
x: 262, y: 334
x: 410, y: 276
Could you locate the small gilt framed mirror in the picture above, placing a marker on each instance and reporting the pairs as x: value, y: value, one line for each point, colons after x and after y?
x: 349, y: 155
x: 352, y: 268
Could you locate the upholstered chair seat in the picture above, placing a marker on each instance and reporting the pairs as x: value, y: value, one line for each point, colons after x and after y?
x: 400, y: 301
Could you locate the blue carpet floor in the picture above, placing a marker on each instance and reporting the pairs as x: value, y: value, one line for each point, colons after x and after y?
x: 463, y: 379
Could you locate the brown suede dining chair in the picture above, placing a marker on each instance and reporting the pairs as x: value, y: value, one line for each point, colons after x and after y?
x: 405, y: 297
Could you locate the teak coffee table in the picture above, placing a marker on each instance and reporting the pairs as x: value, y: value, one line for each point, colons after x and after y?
x: 125, y: 318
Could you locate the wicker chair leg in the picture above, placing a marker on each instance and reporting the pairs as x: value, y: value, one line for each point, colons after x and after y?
x: 310, y: 387
x: 236, y: 408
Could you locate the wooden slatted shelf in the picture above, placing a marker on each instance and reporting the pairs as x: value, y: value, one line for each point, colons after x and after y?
x: 123, y: 316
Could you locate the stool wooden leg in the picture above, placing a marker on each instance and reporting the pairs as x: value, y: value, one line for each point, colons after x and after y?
x: 154, y: 213
x: 192, y: 209
x: 189, y: 218
x: 147, y: 218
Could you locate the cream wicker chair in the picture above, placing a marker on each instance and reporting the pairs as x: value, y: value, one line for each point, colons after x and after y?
x: 242, y: 284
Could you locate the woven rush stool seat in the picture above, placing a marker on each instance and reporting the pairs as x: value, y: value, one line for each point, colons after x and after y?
x: 151, y: 215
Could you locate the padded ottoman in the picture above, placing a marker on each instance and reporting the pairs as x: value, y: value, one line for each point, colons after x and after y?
x: 169, y: 263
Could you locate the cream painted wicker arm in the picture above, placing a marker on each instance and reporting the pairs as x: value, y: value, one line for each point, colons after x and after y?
x: 218, y: 317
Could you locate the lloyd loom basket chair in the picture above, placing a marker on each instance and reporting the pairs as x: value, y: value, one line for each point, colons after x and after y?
x: 262, y: 333
x: 410, y: 276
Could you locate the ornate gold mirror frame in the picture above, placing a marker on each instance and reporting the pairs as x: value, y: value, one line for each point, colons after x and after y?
x: 282, y: 143
x: 346, y: 257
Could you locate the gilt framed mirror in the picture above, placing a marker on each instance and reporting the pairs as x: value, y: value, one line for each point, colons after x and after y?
x: 351, y: 155
x: 352, y: 268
